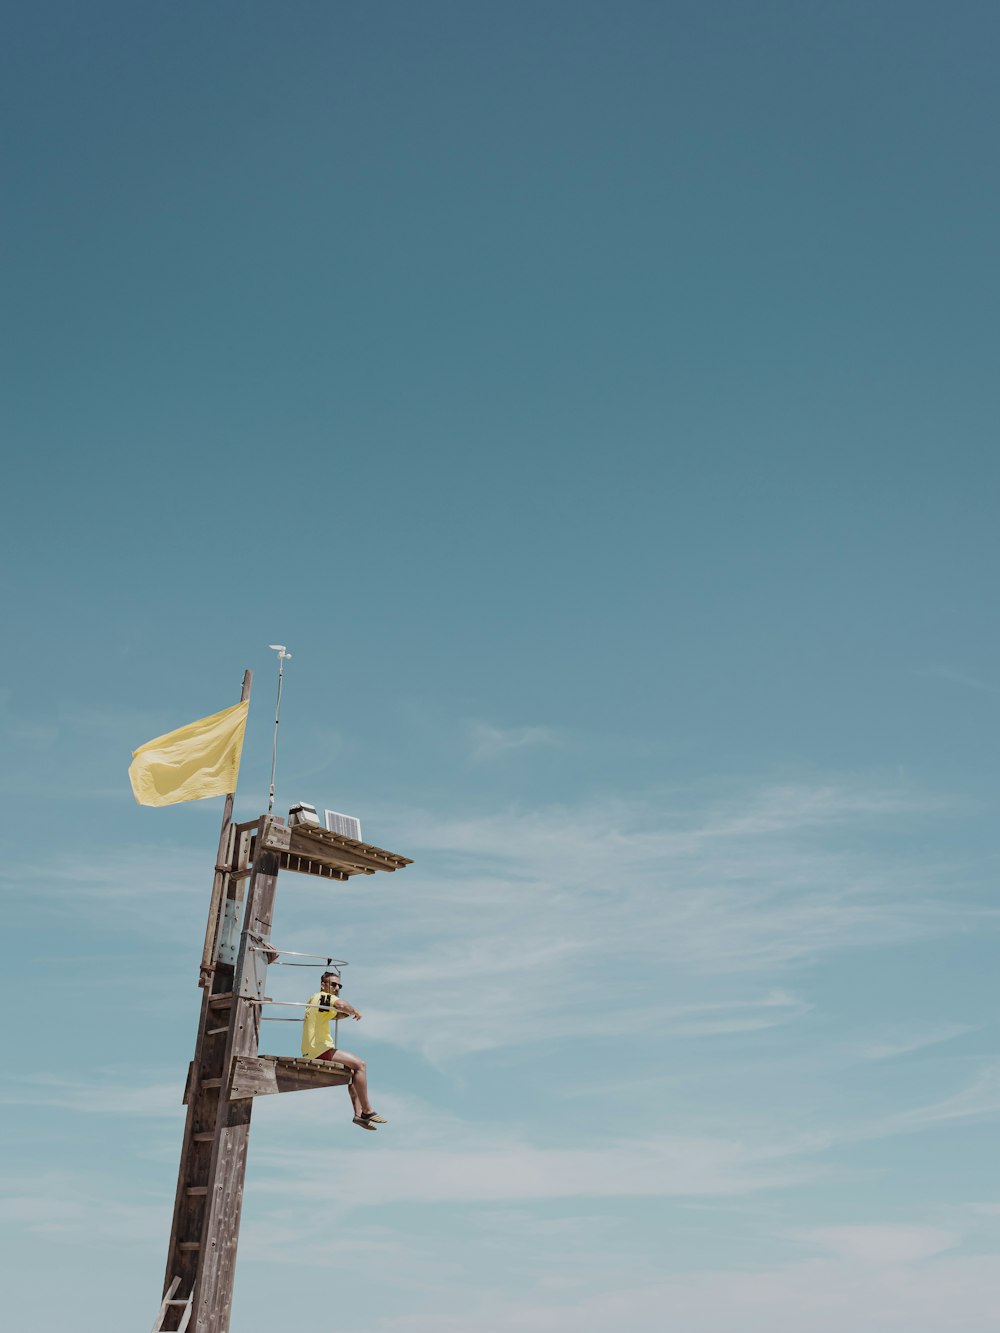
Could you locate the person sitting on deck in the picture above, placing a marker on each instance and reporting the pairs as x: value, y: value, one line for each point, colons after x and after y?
x: 318, y: 1044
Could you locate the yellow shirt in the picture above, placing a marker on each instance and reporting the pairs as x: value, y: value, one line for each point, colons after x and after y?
x: 316, y: 1034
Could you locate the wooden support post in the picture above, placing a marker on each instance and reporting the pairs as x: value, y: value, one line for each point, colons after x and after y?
x: 223, y: 862
x: 213, y: 1294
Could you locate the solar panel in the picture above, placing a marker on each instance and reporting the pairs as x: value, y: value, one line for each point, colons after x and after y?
x: 346, y: 825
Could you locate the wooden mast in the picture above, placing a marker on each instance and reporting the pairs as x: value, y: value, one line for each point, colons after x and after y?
x: 221, y: 877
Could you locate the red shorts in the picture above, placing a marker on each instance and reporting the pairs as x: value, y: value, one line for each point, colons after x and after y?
x: 324, y: 1055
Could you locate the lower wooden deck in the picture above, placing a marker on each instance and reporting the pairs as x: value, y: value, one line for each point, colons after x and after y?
x: 262, y: 1075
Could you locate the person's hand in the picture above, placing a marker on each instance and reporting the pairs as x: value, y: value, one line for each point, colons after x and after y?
x: 356, y: 1016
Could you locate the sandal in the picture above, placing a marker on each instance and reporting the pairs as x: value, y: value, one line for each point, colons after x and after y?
x: 364, y: 1122
x: 376, y: 1118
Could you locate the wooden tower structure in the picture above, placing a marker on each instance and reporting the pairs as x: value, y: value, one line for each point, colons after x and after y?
x: 228, y: 1071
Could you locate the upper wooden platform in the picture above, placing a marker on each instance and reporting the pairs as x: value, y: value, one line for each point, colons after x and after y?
x: 312, y: 850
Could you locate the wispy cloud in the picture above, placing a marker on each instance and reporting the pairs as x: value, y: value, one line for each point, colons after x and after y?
x: 723, y: 898
x: 158, y: 892
x: 883, y: 1244
x: 659, y: 1168
x: 69, y: 1207
x: 117, y: 875
x: 436, y: 1157
x: 821, y: 1295
x: 443, y: 1159
x: 488, y: 741
x: 102, y: 1096
x: 900, y: 1043
x: 979, y: 1100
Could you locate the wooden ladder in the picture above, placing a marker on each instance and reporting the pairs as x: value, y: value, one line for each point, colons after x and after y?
x: 168, y: 1304
x: 195, y: 1178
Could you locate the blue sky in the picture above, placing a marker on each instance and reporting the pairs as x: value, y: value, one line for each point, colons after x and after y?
x: 600, y: 401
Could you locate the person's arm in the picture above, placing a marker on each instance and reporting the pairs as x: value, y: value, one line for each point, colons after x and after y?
x: 345, y: 1010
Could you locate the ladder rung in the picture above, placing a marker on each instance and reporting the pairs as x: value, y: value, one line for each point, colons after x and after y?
x: 203, y: 1136
x: 221, y: 1001
x: 214, y: 1032
x: 189, y: 1245
x: 210, y: 1083
x: 185, y: 1301
x: 196, y: 1189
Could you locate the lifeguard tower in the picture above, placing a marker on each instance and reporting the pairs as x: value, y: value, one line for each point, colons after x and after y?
x: 228, y: 1071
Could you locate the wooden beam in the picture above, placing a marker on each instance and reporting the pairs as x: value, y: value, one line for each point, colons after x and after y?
x: 317, y: 844
x: 222, y: 862
x: 262, y: 1075
x: 202, y: 1106
x: 304, y: 865
x: 213, y: 1295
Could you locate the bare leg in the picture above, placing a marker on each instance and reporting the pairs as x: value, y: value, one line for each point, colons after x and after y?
x: 358, y: 1087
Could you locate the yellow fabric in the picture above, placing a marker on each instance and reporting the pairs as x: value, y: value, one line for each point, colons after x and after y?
x: 199, y: 760
x: 316, y: 1034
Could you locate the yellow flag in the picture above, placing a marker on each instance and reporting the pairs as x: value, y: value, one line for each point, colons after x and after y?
x: 201, y: 759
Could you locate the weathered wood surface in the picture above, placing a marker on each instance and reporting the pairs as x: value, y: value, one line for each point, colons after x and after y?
x: 202, y: 1102
x: 221, y: 1227
x: 200, y: 1096
x: 223, y: 862
x: 320, y: 847
x: 263, y: 1075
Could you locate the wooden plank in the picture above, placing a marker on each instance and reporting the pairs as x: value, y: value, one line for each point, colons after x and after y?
x: 297, y: 1075
x: 251, y: 1077
x: 317, y: 844
x: 264, y: 1075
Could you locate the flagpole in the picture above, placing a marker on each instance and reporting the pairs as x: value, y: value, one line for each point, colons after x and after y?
x: 282, y: 652
x: 218, y: 881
